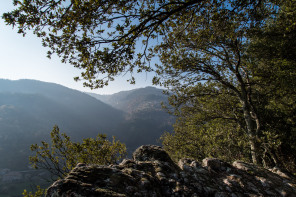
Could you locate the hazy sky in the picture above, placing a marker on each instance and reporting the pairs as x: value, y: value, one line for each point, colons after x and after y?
x: 25, y: 58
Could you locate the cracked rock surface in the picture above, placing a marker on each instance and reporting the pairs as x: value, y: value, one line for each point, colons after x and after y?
x: 152, y: 172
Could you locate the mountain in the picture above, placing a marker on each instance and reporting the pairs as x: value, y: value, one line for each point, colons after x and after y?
x: 58, y: 104
x: 134, y: 100
x: 29, y: 109
x: 145, y: 118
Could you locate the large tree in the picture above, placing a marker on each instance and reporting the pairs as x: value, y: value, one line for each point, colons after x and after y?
x: 224, y: 56
x: 273, y: 50
x: 211, y: 53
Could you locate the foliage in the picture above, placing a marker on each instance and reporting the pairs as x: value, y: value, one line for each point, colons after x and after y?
x: 208, y: 126
x: 62, y: 155
x: 97, y: 36
x: 272, y: 49
x: 40, y: 192
x: 214, y: 139
x: 103, y: 37
x: 231, y: 76
x: 210, y: 54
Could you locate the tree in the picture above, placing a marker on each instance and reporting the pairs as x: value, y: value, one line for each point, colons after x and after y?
x: 273, y: 51
x: 212, y: 51
x: 215, y: 57
x: 62, y: 155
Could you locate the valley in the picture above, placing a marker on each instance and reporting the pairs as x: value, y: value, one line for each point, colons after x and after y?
x: 29, y: 109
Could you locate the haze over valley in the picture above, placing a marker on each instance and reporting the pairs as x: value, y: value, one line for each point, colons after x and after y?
x: 29, y: 109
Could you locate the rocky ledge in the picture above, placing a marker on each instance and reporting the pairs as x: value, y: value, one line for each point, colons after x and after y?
x: 151, y: 172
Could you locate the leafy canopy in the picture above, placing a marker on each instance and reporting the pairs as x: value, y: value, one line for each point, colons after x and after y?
x: 208, y: 126
x: 228, y: 73
x: 204, y: 56
x: 109, y: 38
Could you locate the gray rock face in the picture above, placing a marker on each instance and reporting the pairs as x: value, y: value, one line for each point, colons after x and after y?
x: 151, y: 173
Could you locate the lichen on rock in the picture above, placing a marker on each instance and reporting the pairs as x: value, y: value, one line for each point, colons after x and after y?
x: 152, y: 172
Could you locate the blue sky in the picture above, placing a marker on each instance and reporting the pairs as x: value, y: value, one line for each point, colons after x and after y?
x: 25, y: 58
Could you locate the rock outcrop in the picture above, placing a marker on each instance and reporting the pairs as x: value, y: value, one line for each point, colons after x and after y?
x: 151, y: 172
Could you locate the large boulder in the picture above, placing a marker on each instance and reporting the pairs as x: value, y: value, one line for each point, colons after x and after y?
x: 151, y: 172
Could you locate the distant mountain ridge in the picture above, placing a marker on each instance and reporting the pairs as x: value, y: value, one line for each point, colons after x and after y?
x: 133, y: 101
x: 145, y: 118
x: 74, y: 102
x: 29, y: 109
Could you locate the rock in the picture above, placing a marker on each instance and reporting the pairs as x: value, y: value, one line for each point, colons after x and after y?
x: 215, y: 164
x: 152, y: 172
x: 151, y: 153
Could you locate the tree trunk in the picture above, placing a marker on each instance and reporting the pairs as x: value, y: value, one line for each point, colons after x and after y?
x: 253, y: 126
x: 255, y: 148
x: 252, y: 123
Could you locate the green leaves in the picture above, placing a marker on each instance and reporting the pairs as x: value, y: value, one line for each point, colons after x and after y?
x: 39, y: 192
x: 62, y: 155
x: 272, y: 51
x: 231, y: 69
x: 209, y: 125
x: 78, y: 31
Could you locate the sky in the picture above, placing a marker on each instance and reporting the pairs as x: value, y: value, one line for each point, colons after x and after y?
x: 25, y: 58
